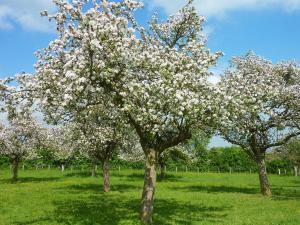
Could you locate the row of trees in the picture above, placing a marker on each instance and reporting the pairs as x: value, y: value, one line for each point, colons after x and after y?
x: 284, y: 159
x: 116, y: 82
x: 289, y: 154
x: 217, y: 159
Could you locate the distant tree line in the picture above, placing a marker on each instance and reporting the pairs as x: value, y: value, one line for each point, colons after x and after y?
x: 217, y: 159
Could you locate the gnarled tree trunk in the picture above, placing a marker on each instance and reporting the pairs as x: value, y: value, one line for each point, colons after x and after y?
x: 14, y: 169
x: 105, y: 169
x: 149, y: 188
x: 263, y: 178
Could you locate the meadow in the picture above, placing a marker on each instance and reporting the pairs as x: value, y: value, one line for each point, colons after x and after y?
x: 74, y: 197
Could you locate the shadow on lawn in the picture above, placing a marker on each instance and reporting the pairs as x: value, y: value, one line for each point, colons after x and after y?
x: 113, y: 210
x: 35, y: 221
x: 169, y: 177
x: 79, y: 174
x: 30, y: 180
x: 216, y: 189
x: 140, y: 176
x: 282, y: 193
x: 97, y: 188
x: 95, y: 207
x: 99, y: 174
x: 296, y: 182
x: 278, y: 193
x: 129, y: 177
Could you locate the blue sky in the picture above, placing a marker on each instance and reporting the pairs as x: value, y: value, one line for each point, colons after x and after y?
x: 271, y: 28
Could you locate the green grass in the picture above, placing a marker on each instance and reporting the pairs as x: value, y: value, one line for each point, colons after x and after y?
x: 52, y: 197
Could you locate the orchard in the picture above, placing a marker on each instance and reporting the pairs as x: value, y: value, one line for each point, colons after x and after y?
x: 114, y: 92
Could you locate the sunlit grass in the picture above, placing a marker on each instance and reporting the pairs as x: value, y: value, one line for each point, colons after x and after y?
x: 52, y: 197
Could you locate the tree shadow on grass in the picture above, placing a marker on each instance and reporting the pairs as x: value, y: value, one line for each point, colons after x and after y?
x: 282, y: 193
x: 131, y: 176
x: 30, y: 180
x: 79, y: 174
x: 99, y: 174
x: 97, y: 188
x: 169, y: 211
x: 128, y: 177
x: 277, y: 193
x: 113, y: 210
x: 140, y: 176
x: 33, y: 221
x: 297, y: 182
x: 96, y: 209
x: 169, y: 177
x: 216, y: 189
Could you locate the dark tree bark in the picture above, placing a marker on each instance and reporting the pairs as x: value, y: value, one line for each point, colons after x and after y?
x: 149, y: 187
x: 263, y: 178
x: 162, y: 171
x: 14, y: 169
x: 105, y: 169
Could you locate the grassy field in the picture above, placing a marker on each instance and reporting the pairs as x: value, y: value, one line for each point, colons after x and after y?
x: 52, y: 197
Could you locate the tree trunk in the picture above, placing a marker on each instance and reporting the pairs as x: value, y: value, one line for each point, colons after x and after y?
x: 149, y: 188
x: 105, y: 169
x: 162, y: 171
x: 14, y: 169
x: 295, y: 170
x: 62, y: 168
x: 93, y: 169
x: 263, y: 178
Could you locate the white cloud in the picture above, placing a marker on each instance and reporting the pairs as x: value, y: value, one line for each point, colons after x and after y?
x: 220, y: 8
x: 25, y: 13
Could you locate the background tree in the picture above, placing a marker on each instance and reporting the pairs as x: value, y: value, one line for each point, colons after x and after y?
x: 230, y: 159
x: 193, y: 152
x: 197, y: 148
x: 63, y: 144
x: 21, y: 136
x: 260, y: 108
x: 19, y: 141
x: 100, y: 137
x: 275, y: 163
x: 175, y: 154
x: 291, y: 152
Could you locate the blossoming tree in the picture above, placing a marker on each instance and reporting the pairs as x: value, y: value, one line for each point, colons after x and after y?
x: 22, y: 135
x: 19, y: 140
x: 291, y: 152
x: 100, y: 136
x: 62, y: 144
x: 156, y: 77
x: 260, y: 107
